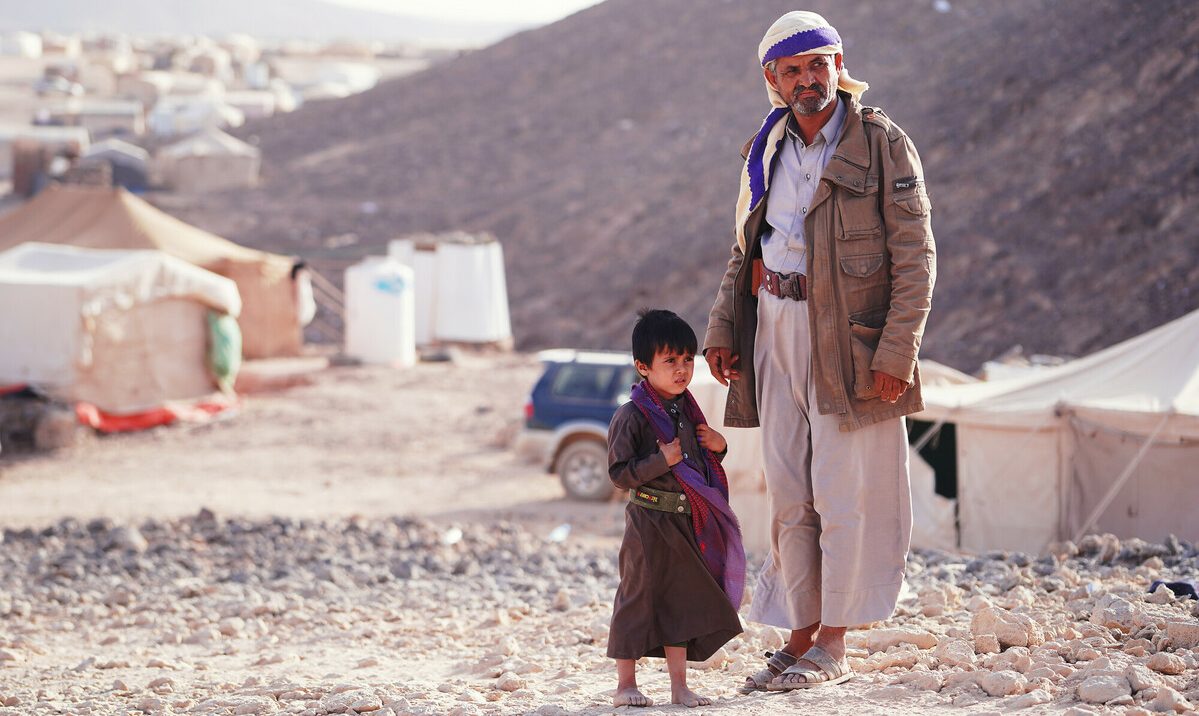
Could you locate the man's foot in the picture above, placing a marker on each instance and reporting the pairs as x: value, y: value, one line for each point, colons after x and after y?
x: 688, y: 698
x: 631, y: 696
x: 816, y: 667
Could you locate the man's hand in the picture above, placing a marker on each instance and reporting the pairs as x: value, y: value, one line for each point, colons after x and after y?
x: 672, y: 451
x: 888, y: 387
x: 711, y: 439
x: 721, y: 362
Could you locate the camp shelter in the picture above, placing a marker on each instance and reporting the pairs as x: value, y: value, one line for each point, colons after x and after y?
x: 104, y: 218
x: 126, y: 331
x: 1106, y: 443
x: 208, y: 161
x: 130, y: 163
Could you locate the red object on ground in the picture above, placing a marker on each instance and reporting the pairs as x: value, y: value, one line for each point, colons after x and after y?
x: 6, y: 389
x: 200, y: 411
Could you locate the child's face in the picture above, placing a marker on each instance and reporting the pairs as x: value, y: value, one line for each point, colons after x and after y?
x: 670, y: 373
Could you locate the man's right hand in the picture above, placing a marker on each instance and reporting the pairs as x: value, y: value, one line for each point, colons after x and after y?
x: 722, y: 362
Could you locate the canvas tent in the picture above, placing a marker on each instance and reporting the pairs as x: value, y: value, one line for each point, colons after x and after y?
x: 130, y: 163
x: 126, y: 331
x: 1105, y: 443
x: 104, y: 218
x: 208, y: 161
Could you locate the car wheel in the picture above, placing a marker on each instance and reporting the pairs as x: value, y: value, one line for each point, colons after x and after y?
x: 583, y: 470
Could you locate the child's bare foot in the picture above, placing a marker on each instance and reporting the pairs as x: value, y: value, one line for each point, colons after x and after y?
x: 688, y: 698
x: 632, y: 696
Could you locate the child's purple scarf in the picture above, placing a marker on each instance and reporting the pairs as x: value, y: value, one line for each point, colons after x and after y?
x: 712, y: 520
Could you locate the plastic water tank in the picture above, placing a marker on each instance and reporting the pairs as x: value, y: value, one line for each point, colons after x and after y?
x: 422, y: 259
x: 380, y: 312
x: 471, y: 293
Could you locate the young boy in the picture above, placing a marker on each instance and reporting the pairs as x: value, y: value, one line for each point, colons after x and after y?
x: 682, y: 566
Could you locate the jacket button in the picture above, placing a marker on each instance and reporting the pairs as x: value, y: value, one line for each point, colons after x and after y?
x: 682, y: 498
x: 680, y: 508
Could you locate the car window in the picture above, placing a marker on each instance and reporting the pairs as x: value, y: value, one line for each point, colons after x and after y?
x: 624, y: 383
x: 587, y: 382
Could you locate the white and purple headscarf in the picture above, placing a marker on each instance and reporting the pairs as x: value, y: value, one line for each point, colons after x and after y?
x: 797, y: 33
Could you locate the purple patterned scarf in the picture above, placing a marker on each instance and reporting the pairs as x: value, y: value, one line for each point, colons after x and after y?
x: 712, y: 519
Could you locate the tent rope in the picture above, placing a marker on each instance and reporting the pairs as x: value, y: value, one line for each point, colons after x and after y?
x: 1121, y: 480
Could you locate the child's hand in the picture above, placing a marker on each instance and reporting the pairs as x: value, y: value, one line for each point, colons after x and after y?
x: 711, y: 439
x: 672, y: 451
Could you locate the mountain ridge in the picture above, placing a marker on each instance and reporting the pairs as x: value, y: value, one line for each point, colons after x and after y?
x: 602, y: 151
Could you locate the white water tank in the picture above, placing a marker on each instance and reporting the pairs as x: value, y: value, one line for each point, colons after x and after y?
x: 380, y: 312
x: 471, y: 293
x: 421, y: 257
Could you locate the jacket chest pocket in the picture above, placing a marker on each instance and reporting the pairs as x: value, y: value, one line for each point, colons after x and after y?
x: 860, y: 219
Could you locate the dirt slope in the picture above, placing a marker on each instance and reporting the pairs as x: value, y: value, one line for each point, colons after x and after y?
x: 603, y: 152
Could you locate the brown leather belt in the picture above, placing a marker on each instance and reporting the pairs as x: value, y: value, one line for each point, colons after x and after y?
x: 784, y: 285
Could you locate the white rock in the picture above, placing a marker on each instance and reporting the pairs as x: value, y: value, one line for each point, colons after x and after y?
x: 1003, y: 683
x: 367, y: 663
x: 509, y: 681
x: 986, y: 644
x: 11, y: 656
x: 127, y: 538
x: 1161, y: 595
x: 1183, y: 635
x: 955, y: 652
x: 232, y: 626
x: 1032, y: 698
x: 923, y: 680
x: 1140, y: 677
x: 367, y: 703
x: 338, y: 701
x: 1164, y: 663
x: 1101, y: 689
x: 1115, y: 613
x: 883, y: 639
x: 1010, y: 628
x: 1169, y: 700
x: 1079, y: 711
x: 150, y: 704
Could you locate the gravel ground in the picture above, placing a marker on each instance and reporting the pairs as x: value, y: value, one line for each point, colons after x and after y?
x: 373, y: 546
x: 401, y: 616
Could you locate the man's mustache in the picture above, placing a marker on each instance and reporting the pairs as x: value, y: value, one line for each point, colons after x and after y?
x: 800, y: 89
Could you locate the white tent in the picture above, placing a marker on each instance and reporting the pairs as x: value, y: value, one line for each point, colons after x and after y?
x: 1108, y: 443
x: 124, y: 330
x: 207, y: 161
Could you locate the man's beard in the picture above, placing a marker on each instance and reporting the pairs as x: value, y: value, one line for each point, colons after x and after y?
x: 811, y: 105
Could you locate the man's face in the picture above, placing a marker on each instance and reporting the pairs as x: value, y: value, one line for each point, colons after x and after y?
x: 807, y: 83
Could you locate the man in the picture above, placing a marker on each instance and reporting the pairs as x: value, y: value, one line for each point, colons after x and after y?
x: 816, y: 329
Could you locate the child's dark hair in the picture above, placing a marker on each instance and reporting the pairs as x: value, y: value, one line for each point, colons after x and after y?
x: 658, y: 330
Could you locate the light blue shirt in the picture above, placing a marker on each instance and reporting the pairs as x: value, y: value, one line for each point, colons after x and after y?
x: 797, y: 170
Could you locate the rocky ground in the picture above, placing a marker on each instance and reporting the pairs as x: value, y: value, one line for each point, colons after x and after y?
x: 373, y: 546
x: 207, y: 615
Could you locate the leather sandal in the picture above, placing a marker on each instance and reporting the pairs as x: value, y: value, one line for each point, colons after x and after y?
x: 776, y: 663
x: 828, y: 672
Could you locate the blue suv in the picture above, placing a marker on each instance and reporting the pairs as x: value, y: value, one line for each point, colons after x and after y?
x: 567, y: 416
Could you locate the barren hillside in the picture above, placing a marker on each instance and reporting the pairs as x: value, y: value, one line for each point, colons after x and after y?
x: 603, y: 152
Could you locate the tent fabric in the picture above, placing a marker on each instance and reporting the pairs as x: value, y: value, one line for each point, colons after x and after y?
x: 124, y: 330
x: 1029, y: 474
x: 209, y: 142
x: 104, y: 218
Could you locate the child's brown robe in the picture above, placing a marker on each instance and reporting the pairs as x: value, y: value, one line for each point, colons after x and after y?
x: 666, y: 595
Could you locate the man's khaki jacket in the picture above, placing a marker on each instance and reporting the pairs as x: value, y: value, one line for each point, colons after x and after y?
x: 871, y: 268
